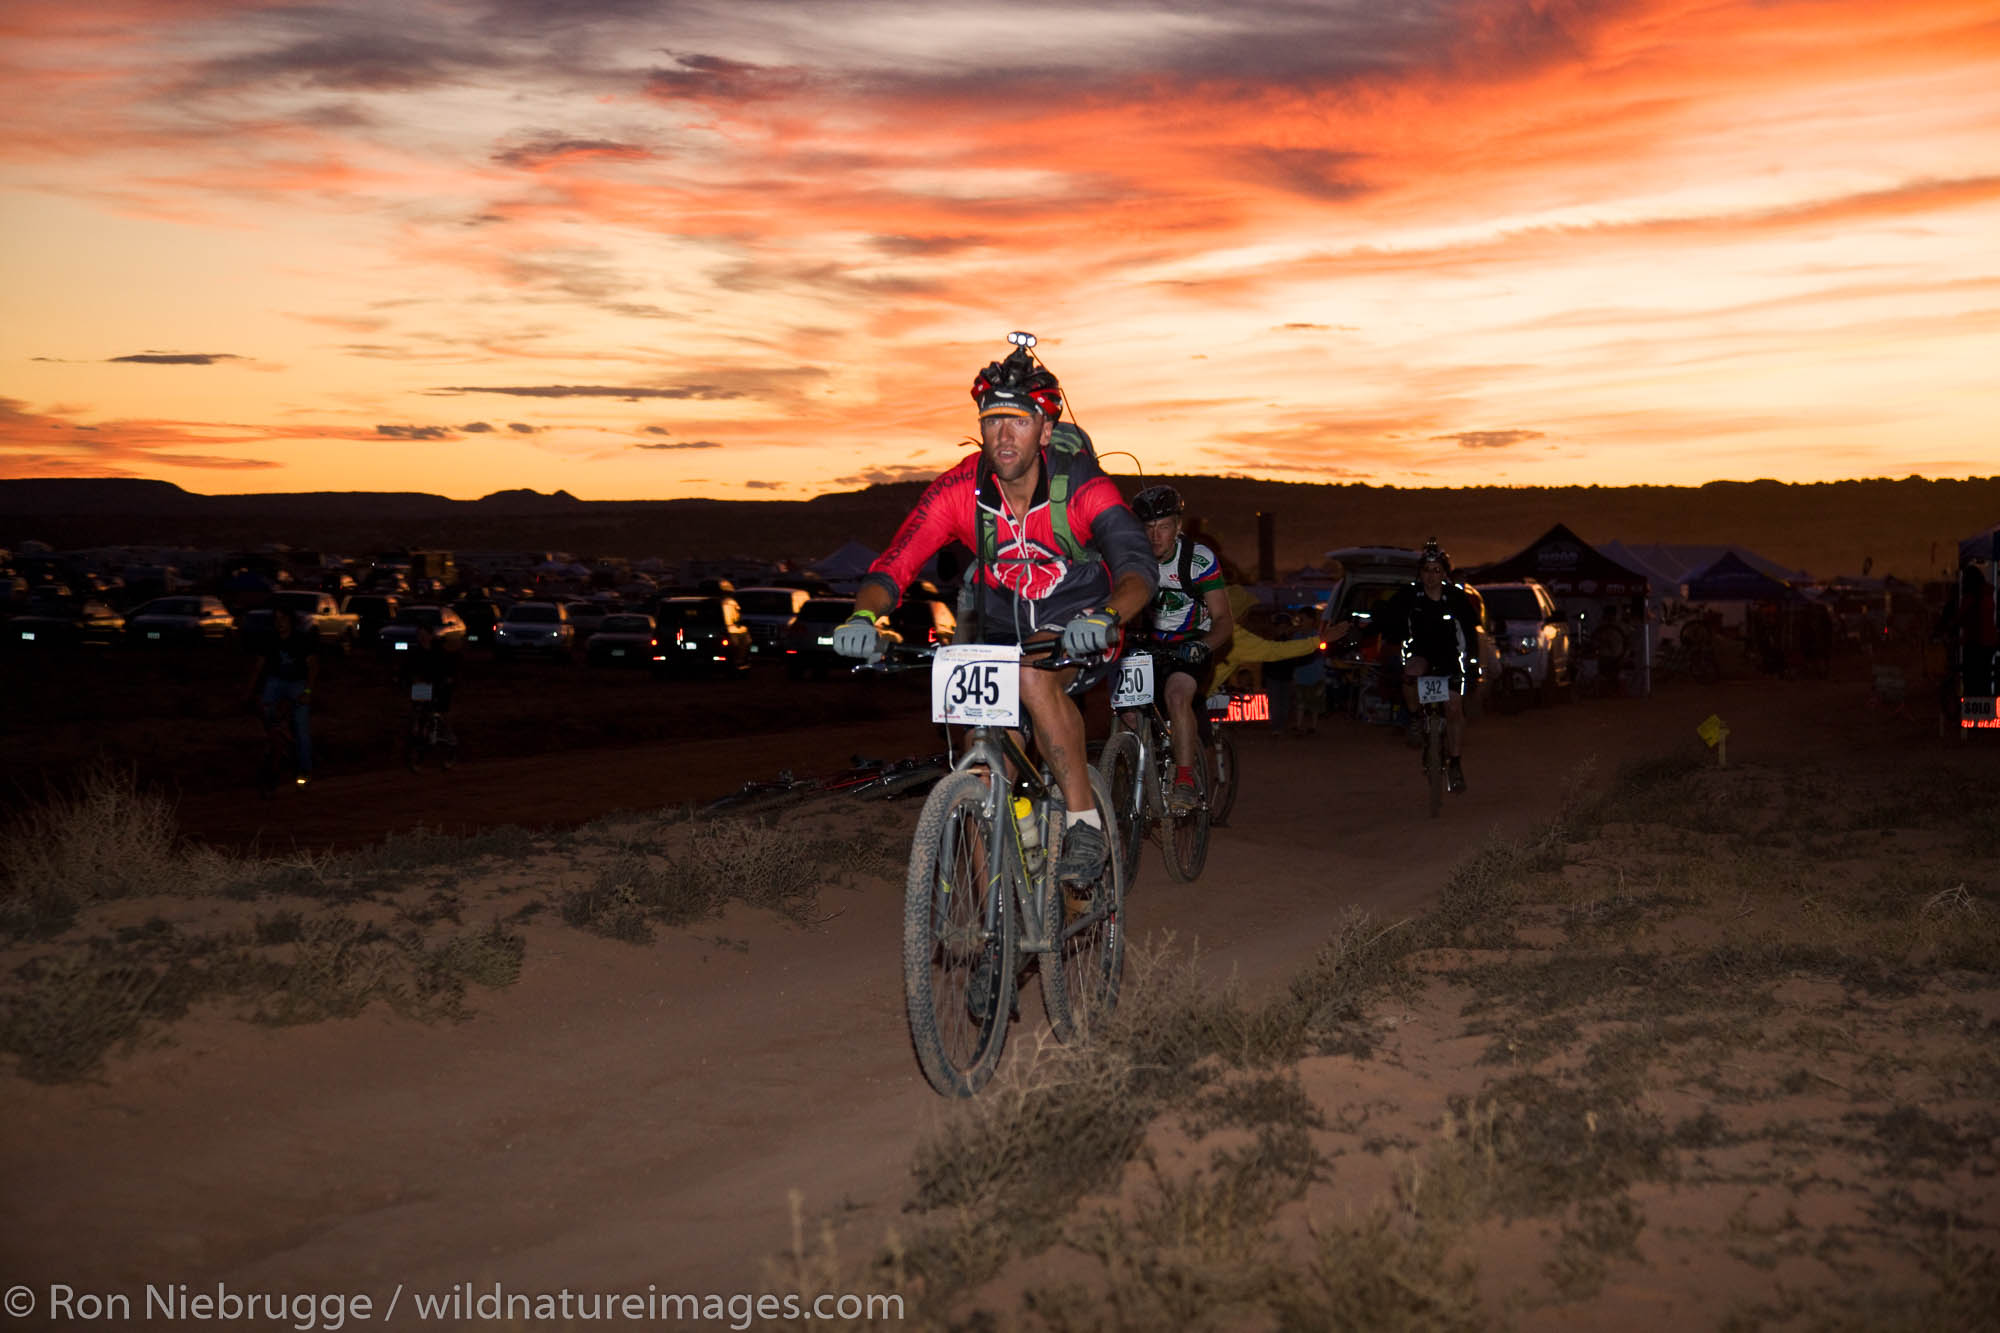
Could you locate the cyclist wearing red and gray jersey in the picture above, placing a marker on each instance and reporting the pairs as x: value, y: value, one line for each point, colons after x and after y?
x: 1029, y: 587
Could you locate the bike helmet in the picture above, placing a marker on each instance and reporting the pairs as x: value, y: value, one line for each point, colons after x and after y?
x: 1018, y: 386
x: 1157, y: 502
x: 1433, y: 555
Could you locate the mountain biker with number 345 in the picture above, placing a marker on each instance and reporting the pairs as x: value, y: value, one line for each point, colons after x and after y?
x: 1059, y: 559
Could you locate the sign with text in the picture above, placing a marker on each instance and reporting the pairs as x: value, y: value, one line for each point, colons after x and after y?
x: 977, y: 685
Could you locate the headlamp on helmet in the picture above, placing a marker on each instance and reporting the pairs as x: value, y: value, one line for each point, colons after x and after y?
x: 1434, y: 555
x: 1018, y: 386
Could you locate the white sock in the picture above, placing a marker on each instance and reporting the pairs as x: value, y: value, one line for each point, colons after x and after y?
x: 1071, y: 819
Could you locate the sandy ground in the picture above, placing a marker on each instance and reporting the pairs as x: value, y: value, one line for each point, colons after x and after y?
x: 628, y: 1118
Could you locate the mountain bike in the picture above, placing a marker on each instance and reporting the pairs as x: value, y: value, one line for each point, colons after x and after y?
x: 1432, y: 694
x: 982, y: 891
x: 427, y: 731
x: 1138, y: 764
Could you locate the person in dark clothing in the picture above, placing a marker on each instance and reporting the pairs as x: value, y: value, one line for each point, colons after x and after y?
x: 287, y: 666
x: 1440, y: 637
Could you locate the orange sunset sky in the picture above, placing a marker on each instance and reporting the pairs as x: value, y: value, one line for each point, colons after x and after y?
x: 647, y: 248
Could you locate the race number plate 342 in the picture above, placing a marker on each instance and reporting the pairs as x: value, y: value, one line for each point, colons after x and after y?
x: 977, y: 684
x: 1132, y: 687
x: 1433, y: 689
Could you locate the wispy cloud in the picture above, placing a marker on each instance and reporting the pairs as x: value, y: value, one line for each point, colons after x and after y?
x: 175, y: 358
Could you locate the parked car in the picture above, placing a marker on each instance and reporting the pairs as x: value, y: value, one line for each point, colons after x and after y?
x: 75, y: 623
x: 809, y: 638
x: 1533, y: 637
x: 534, y: 628
x: 586, y: 615
x: 371, y: 611
x: 923, y: 618
x: 767, y: 611
x: 704, y: 634
x: 481, y: 616
x: 185, y: 619
x: 400, y: 634
x: 336, y: 629
x: 624, y: 639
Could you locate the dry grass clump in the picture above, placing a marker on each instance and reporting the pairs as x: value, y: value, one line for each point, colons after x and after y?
x: 675, y: 875
x: 100, y: 839
x: 69, y: 1011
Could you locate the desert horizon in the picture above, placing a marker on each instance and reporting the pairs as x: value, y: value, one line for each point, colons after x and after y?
x: 1904, y: 527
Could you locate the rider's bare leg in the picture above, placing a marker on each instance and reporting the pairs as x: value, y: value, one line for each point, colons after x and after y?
x: 1059, y: 733
x: 1454, y: 725
x: 1180, y: 707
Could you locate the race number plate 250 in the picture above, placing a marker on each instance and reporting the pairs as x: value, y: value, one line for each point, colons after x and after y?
x: 977, y: 684
x: 1433, y: 689
x: 1132, y: 687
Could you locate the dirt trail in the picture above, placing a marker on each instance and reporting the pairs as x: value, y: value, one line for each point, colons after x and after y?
x: 632, y: 1116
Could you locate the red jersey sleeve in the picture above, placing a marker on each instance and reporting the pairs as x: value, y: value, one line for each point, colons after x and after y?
x: 944, y: 514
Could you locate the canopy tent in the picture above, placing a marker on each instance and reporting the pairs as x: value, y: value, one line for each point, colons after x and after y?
x: 1980, y: 546
x: 845, y: 565
x: 1672, y: 564
x: 1567, y: 565
x: 1733, y: 579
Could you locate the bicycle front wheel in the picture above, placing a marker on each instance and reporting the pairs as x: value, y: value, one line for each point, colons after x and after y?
x: 1222, y: 781
x: 1119, y: 765
x: 1184, y: 838
x: 958, y: 937
x: 1080, y: 975
x: 1434, y: 761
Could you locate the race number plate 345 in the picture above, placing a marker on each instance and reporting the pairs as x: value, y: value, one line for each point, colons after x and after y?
x: 977, y: 684
x: 1433, y: 689
x: 1132, y: 687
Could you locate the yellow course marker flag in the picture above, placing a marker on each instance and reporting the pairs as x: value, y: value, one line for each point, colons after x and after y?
x: 1716, y: 732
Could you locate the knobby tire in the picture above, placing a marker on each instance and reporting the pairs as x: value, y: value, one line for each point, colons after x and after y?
x: 1080, y: 975
x: 1119, y: 763
x: 1222, y: 792
x: 957, y: 910
x: 1184, y: 839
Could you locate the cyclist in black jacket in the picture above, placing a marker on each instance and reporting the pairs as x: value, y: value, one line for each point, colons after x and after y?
x: 1440, y: 637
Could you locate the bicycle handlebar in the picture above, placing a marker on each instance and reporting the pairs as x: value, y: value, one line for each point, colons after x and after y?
x: 913, y: 657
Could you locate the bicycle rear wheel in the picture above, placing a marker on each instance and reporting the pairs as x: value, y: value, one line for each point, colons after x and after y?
x: 1080, y: 975
x: 1184, y: 838
x: 1119, y: 765
x: 958, y: 937
x: 1222, y: 782
x: 1434, y: 760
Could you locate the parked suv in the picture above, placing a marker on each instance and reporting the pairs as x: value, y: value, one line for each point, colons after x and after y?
x: 534, y: 627
x: 704, y: 634
x: 809, y: 639
x: 371, y: 611
x: 767, y: 611
x: 1535, y: 654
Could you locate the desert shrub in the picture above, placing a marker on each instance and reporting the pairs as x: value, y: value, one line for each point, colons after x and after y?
x: 102, y: 838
